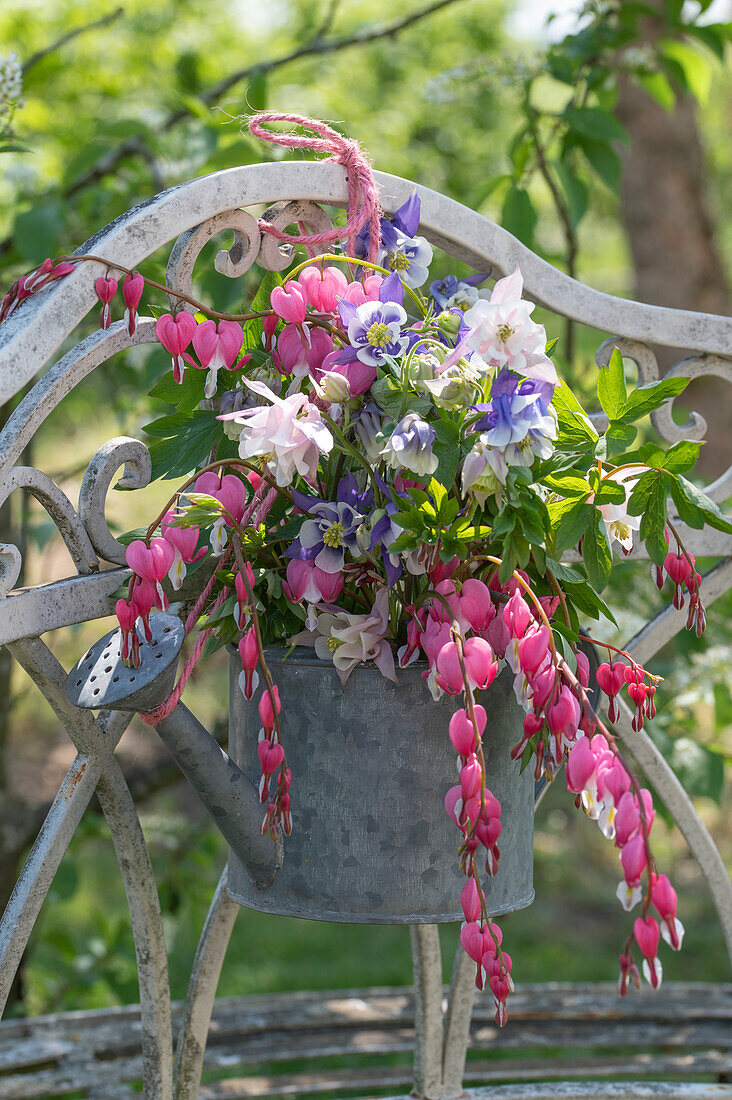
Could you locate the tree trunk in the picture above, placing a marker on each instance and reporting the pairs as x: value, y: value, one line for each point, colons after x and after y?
x: 672, y: 237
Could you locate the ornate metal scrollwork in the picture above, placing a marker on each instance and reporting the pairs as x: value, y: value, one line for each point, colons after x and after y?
x: 122, y: 451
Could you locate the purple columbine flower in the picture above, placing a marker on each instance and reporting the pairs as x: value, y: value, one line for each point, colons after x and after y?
x: 519, y: 419
x: 410, y: 445
x: 334, y: 528
x: 400, y: 249
x: 375, y: 328
x: 453, y: 292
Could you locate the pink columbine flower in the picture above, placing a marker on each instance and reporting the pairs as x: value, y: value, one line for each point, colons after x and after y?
x: 132, y: 289
x: 322, y: 288
x: 301, y: 350
x: 175, y: 334
x: 151, y: 563
x: 106, y: 290
x: 503, y: 334
x: 646, y: 932
x: 217, y: 346
x: 289, y: 431
x: 249, y: 655
x: 290, y: 302
x: 184, y: 541
x: 349, y: 639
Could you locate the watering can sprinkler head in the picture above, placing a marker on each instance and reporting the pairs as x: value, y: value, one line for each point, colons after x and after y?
x: 100, y: 680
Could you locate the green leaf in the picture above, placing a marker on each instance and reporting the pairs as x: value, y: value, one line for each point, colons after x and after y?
x: 645, y: 399
x: 518, y: 215
x: 587, y: 600
x: 722, y: 707
x: 575, y: 191
x: 604, y: 161
x: 568, y: 485
x: 388, y: 393
x: 659, y: 87
x: 620, y: 436
x: 447, y: 450
x: 611, y: 388
x: 37, y: 231
x: 187, y: 396
x: 681, y: 457
x: 595, y: 123
x: 696, y: 72
x: 570, y: 519
x: 596, y: 553
x: 575, y: 427
x: 610, y: 492
x: 712, y: 514
x: 653, y: 521
x: 183, y: 444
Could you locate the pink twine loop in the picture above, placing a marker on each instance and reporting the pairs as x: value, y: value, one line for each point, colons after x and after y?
x: 363, y: 202
x: 262, y: 505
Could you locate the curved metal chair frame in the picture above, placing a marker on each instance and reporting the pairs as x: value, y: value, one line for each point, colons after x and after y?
x: 190, y: 215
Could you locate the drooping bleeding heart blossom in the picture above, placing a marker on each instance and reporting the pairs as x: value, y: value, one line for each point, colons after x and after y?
x: 132, y: 289
x: 323, y: 287
x: 175, y: 334
x: 231, y: 492
x: 306, y: 582
x: 106, y: 290
x: 217, y: 346
x: 184, y: 541
x: 151, y: 563
x: 289, y: 432
x: 301, y: 350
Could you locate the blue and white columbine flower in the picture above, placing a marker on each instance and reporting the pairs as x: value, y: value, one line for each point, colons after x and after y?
x: 375, y: 328
x: 451, y: 292
x: 519, y: 420
x: 399, y: 248
x: 410, y: 445
x: 334, y: 528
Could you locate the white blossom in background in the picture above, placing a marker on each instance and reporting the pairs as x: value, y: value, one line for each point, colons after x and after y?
x: 11, y: 80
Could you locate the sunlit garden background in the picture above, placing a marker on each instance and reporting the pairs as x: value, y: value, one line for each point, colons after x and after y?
x: 539, y: 127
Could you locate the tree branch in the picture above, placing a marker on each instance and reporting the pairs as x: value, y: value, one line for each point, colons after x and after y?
x: 62, y: 41
x: 317, y: 46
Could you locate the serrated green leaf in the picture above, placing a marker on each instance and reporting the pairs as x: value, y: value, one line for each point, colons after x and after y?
x: 712, y: 514
x: 645, y: 399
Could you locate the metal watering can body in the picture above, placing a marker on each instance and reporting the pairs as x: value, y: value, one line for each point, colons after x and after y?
x: 371, y: 841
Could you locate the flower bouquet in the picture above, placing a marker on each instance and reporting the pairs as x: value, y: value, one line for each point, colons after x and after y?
x: 388, y: 467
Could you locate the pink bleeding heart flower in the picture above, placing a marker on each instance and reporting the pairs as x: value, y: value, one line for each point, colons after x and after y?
x: 470, y: 778
x: 175, y: 334
x: 151, y: 563
x: 664, y: 899
x: 217, y: 346
x: 302, y: 350
x: 306, y: 581
x: 127, y: 613
x: 634, y: 860
x: 184, y: 541
x: 471, y: 939
x: 646, y: 932
x: 581, y: 765
x: 583, y: 668
x: 563, y: 716
x: 132, y: 289
x: 533, y: 649
x: 454, y: 804
x: 106, y: 290
x: 249, y: 654
x: 480, y: 663
x: 266, y: 712
x: 270, y: 758
x: 462, y: 732
x: 145, y: 597
x: 628, y: 972
x: 470, y: 901
x: 476, y: 604
x: 517, y: 615
x: 290, y: 302
x: 230, y: 491
x: 367, y: 291
x: 323, y: 287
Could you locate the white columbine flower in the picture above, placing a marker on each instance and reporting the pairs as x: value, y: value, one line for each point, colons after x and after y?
x: 289, y: 431
x: 410, y: 445
x: 504, y: 335
x: 618, y: 523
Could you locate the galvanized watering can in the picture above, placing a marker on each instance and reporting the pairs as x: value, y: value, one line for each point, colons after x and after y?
x: 371, y: 840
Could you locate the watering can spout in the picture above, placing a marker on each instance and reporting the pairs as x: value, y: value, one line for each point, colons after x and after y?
x: 101, y: 680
